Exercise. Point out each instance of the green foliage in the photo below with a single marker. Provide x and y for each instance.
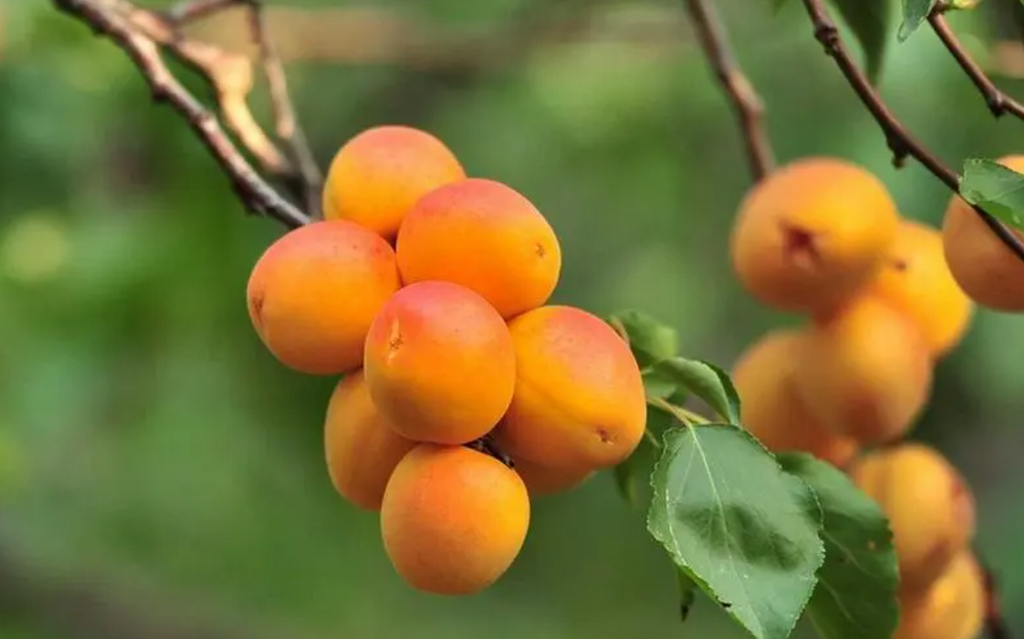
(649, 340)
(767, 539)
(914, 13)
(871, 23)
(706, 381)
(856, 593)
(999, 191)
(741, 527)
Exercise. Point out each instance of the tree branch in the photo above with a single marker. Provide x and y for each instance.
(900, 141)
(998, 102)
(138, 32)
(746, 103)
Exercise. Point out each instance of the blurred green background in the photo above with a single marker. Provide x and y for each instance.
(159, 471)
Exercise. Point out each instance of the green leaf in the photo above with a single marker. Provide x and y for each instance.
(650, 340)
(705, 380)
(999, 191)
(914, 13)
(871, 23)
(633, 475)
(743, 529)
(857, 584)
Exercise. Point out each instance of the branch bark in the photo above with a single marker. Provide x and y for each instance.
(745, 101)
(900, 141)
(998, 102)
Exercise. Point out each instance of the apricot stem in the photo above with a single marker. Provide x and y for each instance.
(686, 416)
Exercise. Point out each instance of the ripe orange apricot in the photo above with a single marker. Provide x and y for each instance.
(440, 363)
(314, 291)
(772, 410)
(547, 480)
(453, 519)
(984, 267)
(866, 372)
(486, 236)
(362, 450)
(916, 281)
(930, 508)
(579, 399)
(811, 233)
(377, 176)
(953, 608)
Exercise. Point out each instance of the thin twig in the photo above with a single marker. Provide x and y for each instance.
(230, 75)
(286, 124)
(746, 103)
(104, 17)
(900, 141)
(998, 102)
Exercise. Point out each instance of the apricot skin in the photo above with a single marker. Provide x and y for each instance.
(544, 480)
(984, 267)
(866, 372)
(440, 363)
(930, 508)
(772, 411)
(314, 292)
(486, 236)
(916, 281)
(377, 176)
(812, 233)
(579, 399)
(362, 450)
(453, 519)
(953, 608)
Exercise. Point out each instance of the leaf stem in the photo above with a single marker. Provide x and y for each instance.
(686, 416)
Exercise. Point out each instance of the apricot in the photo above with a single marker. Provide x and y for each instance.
(440, 363)
(362, 450)
(916, 281)
(579, 400)
(930, 508)
(983, 266)
(453, 519)
(486, 236)
(811, 233)
(377, 176)
(866, 372)
(314, 292)
(953, 608)
(772, 410)
(549, 480)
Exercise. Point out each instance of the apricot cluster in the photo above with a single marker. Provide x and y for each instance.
(823, 238)
(464, 392)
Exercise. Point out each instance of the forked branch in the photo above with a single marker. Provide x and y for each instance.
(998, 102)
(746, 103)
(900, 141)
(143, 34)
